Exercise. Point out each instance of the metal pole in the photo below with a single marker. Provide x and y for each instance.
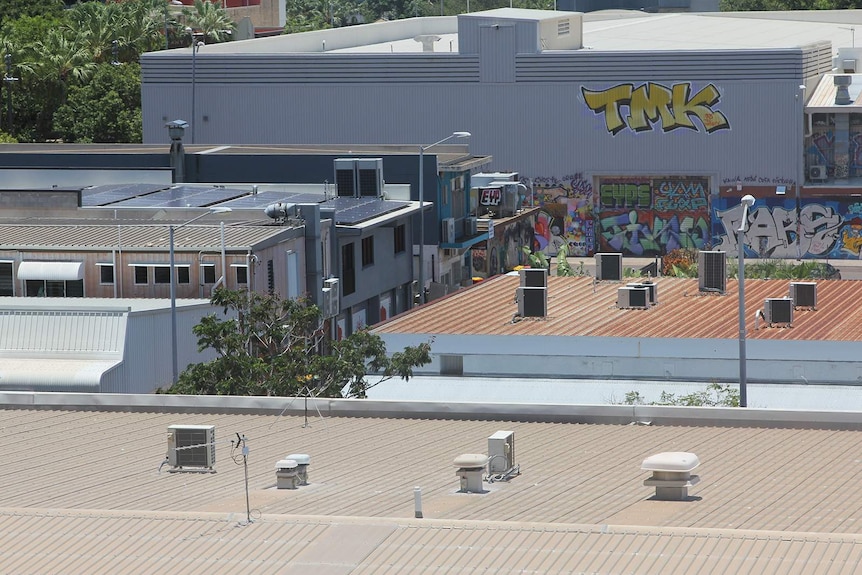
(421, 225)
(743, 394)
(175, 372)
(167, 38)
(223, 265)
(194, 73)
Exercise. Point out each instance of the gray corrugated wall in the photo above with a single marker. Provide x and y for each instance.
(538, 125)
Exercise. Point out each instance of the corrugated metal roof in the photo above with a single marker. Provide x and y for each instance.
(578, 307)
(823, 98)
(83, 494)
(86, 237)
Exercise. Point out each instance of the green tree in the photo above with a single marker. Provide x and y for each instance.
(270, 346)
(210, 20)
(106, 109)
(14, 9)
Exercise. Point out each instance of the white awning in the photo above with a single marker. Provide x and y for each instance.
(52, 271)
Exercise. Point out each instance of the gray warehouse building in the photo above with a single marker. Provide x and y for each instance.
(637, 132)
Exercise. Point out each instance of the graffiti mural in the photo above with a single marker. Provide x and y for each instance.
(651, 103)
(505, 250)
(566, 215)
(643, 216)
(782, 229)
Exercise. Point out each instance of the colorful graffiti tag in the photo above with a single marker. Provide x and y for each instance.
(781, 230)
(566, 215)
(650, 103)
(652, 216)
(505, 250)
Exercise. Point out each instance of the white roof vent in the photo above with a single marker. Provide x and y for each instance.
(470, 467)
(286, 475)
(671, 474)
(302, 462)
(427, 41)
(848, 66)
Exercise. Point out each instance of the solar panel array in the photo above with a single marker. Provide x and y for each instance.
(263, 199)
(110, 194)
(182, 197)
(352, 211)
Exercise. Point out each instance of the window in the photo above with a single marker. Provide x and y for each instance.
(142, 275)
(162, 274)
(54, 288)
(6, 283)
(400, 238)
(368, 251)
(208, 273)
(182, 274)
(241, 274)
(106, 274)
(348, 272)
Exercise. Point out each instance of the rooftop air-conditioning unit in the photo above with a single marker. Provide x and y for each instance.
(817, 173)
(804, 294)
(778, 310)
(534, 277)
(470, 226)
(501, 452)
(357, 177)
(633, 297)
(191, 446)
(331, 301)
(448, 231)
(651, 290)
(532, 301)
(712, 271)
(609, 267)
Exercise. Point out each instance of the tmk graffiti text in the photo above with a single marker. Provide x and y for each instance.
(651, 102)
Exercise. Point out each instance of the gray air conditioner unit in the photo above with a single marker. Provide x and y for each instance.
(331, 304)
(633, 298)
(778, 310)
(191, 446)
(651, 290)
(470, 226)
(532, 301)
(501, 452)
(804, 294)
(817, 173)
(609, 267)
(358, 177)
(534, 277)
(448, 231)
(712, 271)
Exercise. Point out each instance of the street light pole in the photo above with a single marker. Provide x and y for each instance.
(8, 79)
(195, 47)
(422, 207)
(747, 202)
(173, 279)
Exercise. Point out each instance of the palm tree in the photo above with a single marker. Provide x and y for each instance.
(210, 20)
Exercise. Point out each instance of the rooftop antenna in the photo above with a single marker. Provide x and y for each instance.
(852, 34)
(241, 442)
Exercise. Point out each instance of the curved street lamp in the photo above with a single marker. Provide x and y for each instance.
(173, 278)
(747, 201)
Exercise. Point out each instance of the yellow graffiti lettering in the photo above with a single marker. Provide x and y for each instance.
(650, 103)
(608, 102)
(699, 106)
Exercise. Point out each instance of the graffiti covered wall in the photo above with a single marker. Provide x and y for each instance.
(566, 215)
(782, 228)
(505, 250)
(650, 216)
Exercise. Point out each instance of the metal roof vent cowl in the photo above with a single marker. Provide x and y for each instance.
(303, 460)
(470, 467)
(842, 93)
(671, 474)
(286, 475)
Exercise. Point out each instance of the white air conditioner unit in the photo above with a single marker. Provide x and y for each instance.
(652, 290)
(804, 294)
(817, 173)
(501, 452)
(534, 277)
(778, 310)
(358, 177)
(609, 267)
(712, 271)
(331, 302)
(448, 231)
(633, 298)
(191, 446)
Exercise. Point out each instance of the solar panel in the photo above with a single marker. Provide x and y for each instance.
(182, 196)
(263, 199)
(364, 211)
(111, 193)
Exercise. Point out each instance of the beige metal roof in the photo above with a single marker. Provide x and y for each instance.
(823, 98)
(82, 493)
(577, 307)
